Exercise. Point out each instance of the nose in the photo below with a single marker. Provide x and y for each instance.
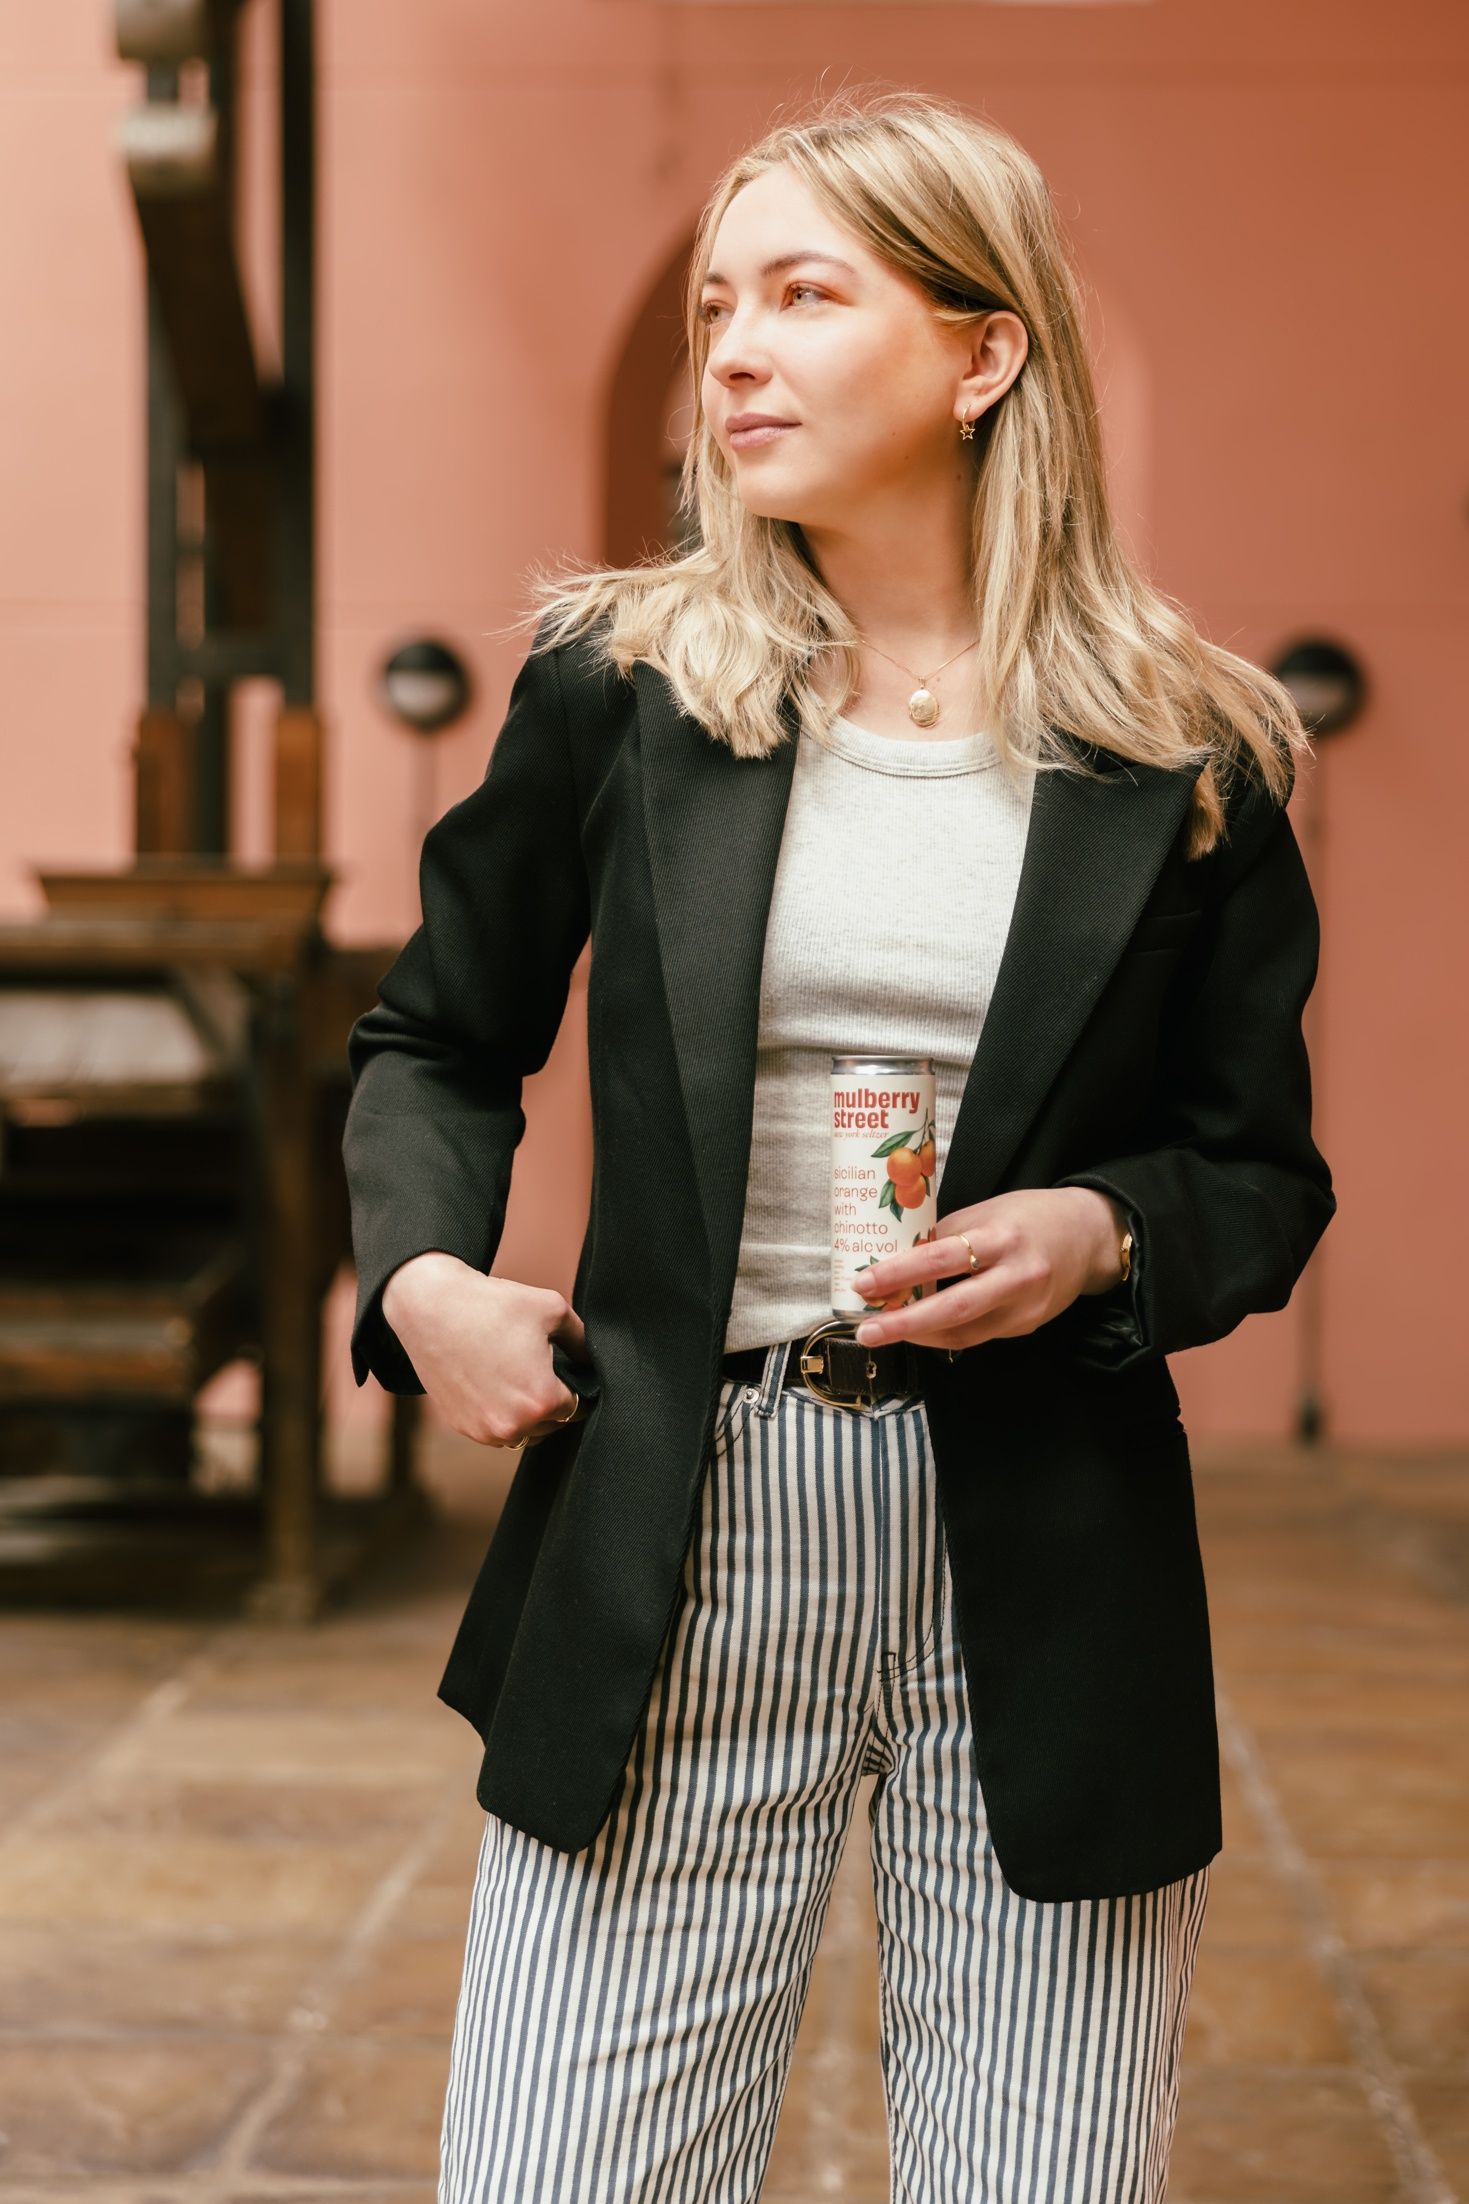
(735, 358)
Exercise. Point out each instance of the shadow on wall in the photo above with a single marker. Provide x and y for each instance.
(645, 435)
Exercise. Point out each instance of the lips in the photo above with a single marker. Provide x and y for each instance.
(749, 431)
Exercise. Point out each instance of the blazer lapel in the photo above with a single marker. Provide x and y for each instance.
(1095, 847)
(714, 825)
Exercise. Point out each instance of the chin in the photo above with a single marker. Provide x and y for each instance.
(781, 501)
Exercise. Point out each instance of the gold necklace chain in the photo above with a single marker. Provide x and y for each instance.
(923, 705)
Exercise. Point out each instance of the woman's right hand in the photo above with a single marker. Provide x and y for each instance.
(482, 1348)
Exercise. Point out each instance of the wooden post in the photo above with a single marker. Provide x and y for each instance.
(292, 1587)
(163, 763)
(298, 782)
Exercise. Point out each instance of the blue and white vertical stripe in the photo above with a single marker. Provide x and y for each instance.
(628, 2012)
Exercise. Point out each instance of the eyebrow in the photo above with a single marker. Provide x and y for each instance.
(790, 260)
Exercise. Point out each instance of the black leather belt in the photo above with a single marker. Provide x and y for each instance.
(833, 1365)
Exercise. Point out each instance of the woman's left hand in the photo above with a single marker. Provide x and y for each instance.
(1034, 1252)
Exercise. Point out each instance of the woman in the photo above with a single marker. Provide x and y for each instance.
(903, 757)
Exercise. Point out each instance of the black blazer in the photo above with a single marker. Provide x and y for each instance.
(1144, 1038)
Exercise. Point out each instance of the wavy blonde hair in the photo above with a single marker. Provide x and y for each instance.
(1073, 641)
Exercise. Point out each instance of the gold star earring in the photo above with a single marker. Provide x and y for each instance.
(966, 430)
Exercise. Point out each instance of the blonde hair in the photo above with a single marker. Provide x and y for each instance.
(1073, 641)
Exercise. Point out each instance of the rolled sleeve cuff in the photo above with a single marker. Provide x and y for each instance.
(1110, 1330)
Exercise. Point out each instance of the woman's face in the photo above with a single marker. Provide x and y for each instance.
(829, 382)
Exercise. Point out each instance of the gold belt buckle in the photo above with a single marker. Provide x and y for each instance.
(815, 1368)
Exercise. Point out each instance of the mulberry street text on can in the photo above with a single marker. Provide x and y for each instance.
(882, 1166)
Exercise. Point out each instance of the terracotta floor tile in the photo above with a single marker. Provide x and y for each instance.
(408, 1988)
(1422, 2007)
(188, 1884)
(40, 1736)
(1320, 1600)
(205, 1880)
(1413, 1707)
(284, 1747)
(459, 1849)
(1241, 1833)
(1345, 1660)
(114, 1658)
(325, 1687)
(832, 2136)
(368, 2107)
(1252, 2136)
(1387, 1904)
(120, 1979)
(815, 2159)
(23, 1784)
(393, 2189)
(296, 1813)
(436, 1909)
(1261, 2009)
(1248, 1907)
(117, 2107)
(1313, 1581)
(1441, 2103)
(1378, 1792)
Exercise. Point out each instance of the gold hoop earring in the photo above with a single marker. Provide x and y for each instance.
(966, 430)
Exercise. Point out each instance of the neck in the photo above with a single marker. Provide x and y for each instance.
(899, 569)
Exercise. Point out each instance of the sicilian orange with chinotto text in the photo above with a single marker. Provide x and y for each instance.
(882, 1166)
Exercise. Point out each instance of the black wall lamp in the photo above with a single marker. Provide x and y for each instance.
(1326, 683)
(426, 686)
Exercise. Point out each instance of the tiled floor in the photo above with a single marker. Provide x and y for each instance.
(234, 1868)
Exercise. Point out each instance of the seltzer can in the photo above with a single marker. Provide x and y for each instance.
(882, 1167)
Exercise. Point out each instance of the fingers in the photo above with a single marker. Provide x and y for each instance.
(529, 1407)
(958, 1308)
(569, 1333)
(523, 1423)
(939, 1258)
(482, 1347)
(574, 1411)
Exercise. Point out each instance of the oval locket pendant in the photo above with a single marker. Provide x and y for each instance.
(923, 707)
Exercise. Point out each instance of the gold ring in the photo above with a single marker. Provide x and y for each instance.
(571, 1414)
(973, 1260)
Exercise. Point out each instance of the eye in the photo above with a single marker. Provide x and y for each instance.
(710, 310)
(800, 294)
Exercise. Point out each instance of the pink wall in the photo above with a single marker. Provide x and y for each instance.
(1268, 198)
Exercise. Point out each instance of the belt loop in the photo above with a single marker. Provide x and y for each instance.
(773, 1378)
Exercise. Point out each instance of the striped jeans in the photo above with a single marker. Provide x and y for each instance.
(628, 2012)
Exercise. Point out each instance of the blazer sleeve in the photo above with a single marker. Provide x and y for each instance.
(469, 1009)
(1230, 1195)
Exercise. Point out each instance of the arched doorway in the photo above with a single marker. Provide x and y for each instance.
(647, 422)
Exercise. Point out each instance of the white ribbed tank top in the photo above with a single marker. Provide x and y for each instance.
(893, 897)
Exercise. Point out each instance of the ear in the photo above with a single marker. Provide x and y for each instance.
(998, 345)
